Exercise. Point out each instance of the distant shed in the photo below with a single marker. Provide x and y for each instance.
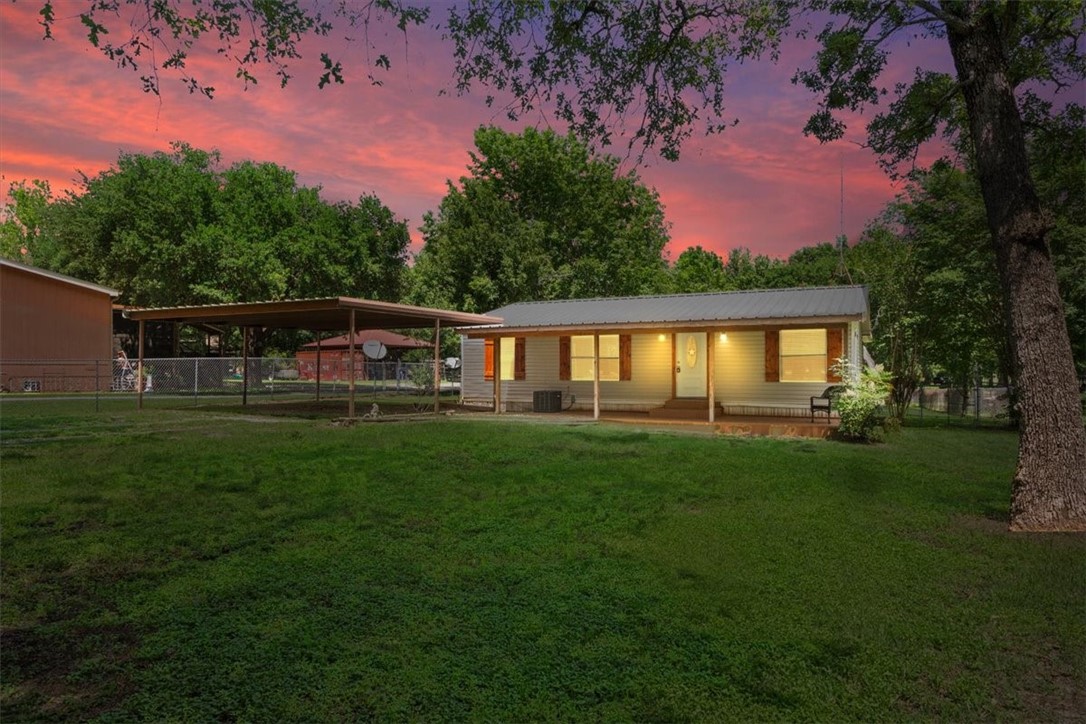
(55, 331)
(335, 355)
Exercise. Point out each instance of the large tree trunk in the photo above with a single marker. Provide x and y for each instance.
(1050, 482)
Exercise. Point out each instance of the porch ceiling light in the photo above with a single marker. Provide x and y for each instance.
(723, 336)
(661, 337)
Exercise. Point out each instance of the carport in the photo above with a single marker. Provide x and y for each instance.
(332, 314)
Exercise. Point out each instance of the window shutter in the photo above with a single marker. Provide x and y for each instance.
(563, 359)
(488, 360)
(520, 366)
(772, 356)
(625, 357)
(835, 349)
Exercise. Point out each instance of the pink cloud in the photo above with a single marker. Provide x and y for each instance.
(761, 184)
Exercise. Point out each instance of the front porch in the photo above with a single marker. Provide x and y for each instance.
(746, 425)
(749, 425)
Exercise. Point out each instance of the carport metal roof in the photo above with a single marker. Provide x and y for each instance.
(321, 315)
(318, 315)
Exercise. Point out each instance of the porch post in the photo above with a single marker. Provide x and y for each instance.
(318, 366)
(350, 368)
(596, 376)
(855, 349)
(497, 375)
(244, 365)
(437, 366)
(139, 370)
(710, 360)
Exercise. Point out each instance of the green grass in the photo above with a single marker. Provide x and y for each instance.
(192, 566)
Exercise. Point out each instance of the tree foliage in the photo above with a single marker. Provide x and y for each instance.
(540, 217)
(21, 220)
(152, 38)
(936, 304)
(173, 228)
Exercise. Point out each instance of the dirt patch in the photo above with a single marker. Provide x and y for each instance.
(38, 664)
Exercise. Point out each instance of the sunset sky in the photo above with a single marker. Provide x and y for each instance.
(64, 108)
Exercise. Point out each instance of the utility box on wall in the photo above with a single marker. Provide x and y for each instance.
(547, 401)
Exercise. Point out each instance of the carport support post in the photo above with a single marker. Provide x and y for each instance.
(139, 370)
(350, 368)
(596, 377)
(437, 366)
(710, 360)
(318, 366)
(244, 365)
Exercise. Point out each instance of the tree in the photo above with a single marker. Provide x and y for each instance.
(21, 220)
(1057, 147)
(885, 261)
(934, 291)
(173, 228)
(959, 299)
(664, 63)
(540, 217)
(699, 270)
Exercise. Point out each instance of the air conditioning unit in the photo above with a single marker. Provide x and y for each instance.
(547, 401)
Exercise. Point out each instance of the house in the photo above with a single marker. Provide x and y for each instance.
(55, 331)
(762, 352)
(335, 353)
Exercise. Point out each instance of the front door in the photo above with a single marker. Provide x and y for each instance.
(691, 372)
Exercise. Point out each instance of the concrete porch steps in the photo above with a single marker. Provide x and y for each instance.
(686, 408)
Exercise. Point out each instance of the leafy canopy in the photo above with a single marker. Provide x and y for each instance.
(173, 228)
(540, 217)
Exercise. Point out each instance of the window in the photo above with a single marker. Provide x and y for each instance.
(575, 356)
(582, 355)
(513, 361)
(508, 357)
(803, 355)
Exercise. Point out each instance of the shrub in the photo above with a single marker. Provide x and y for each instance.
(862, 404)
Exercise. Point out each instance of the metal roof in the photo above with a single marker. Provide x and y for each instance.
(56, 276)
(329, 314)
(763, 306)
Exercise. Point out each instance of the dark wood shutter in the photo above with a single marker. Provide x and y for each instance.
(488, 360)
(772, 356)
(625, 357)
(835, 349)
(520, 364)
(564, 363)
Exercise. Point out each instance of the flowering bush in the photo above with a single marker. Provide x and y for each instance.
(865, 393)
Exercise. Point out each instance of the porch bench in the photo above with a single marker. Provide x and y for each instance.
(824, 403)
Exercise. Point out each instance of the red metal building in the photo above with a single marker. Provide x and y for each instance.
(335, 353)
(55, 331)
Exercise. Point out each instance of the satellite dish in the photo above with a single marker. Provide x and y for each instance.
(453, 363)
(373, 349)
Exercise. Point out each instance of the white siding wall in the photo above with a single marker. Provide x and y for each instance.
(649, 387)
(740, 380)
(739, 373)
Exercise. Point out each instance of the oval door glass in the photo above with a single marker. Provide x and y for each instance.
(691, 375)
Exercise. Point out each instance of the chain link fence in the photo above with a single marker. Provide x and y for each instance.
(205, 378)
(989, 406)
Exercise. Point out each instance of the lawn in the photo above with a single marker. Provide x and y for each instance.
(186, 565)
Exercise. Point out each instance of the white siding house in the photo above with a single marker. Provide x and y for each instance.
(743, 353)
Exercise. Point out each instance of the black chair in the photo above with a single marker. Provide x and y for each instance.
(824, 403)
